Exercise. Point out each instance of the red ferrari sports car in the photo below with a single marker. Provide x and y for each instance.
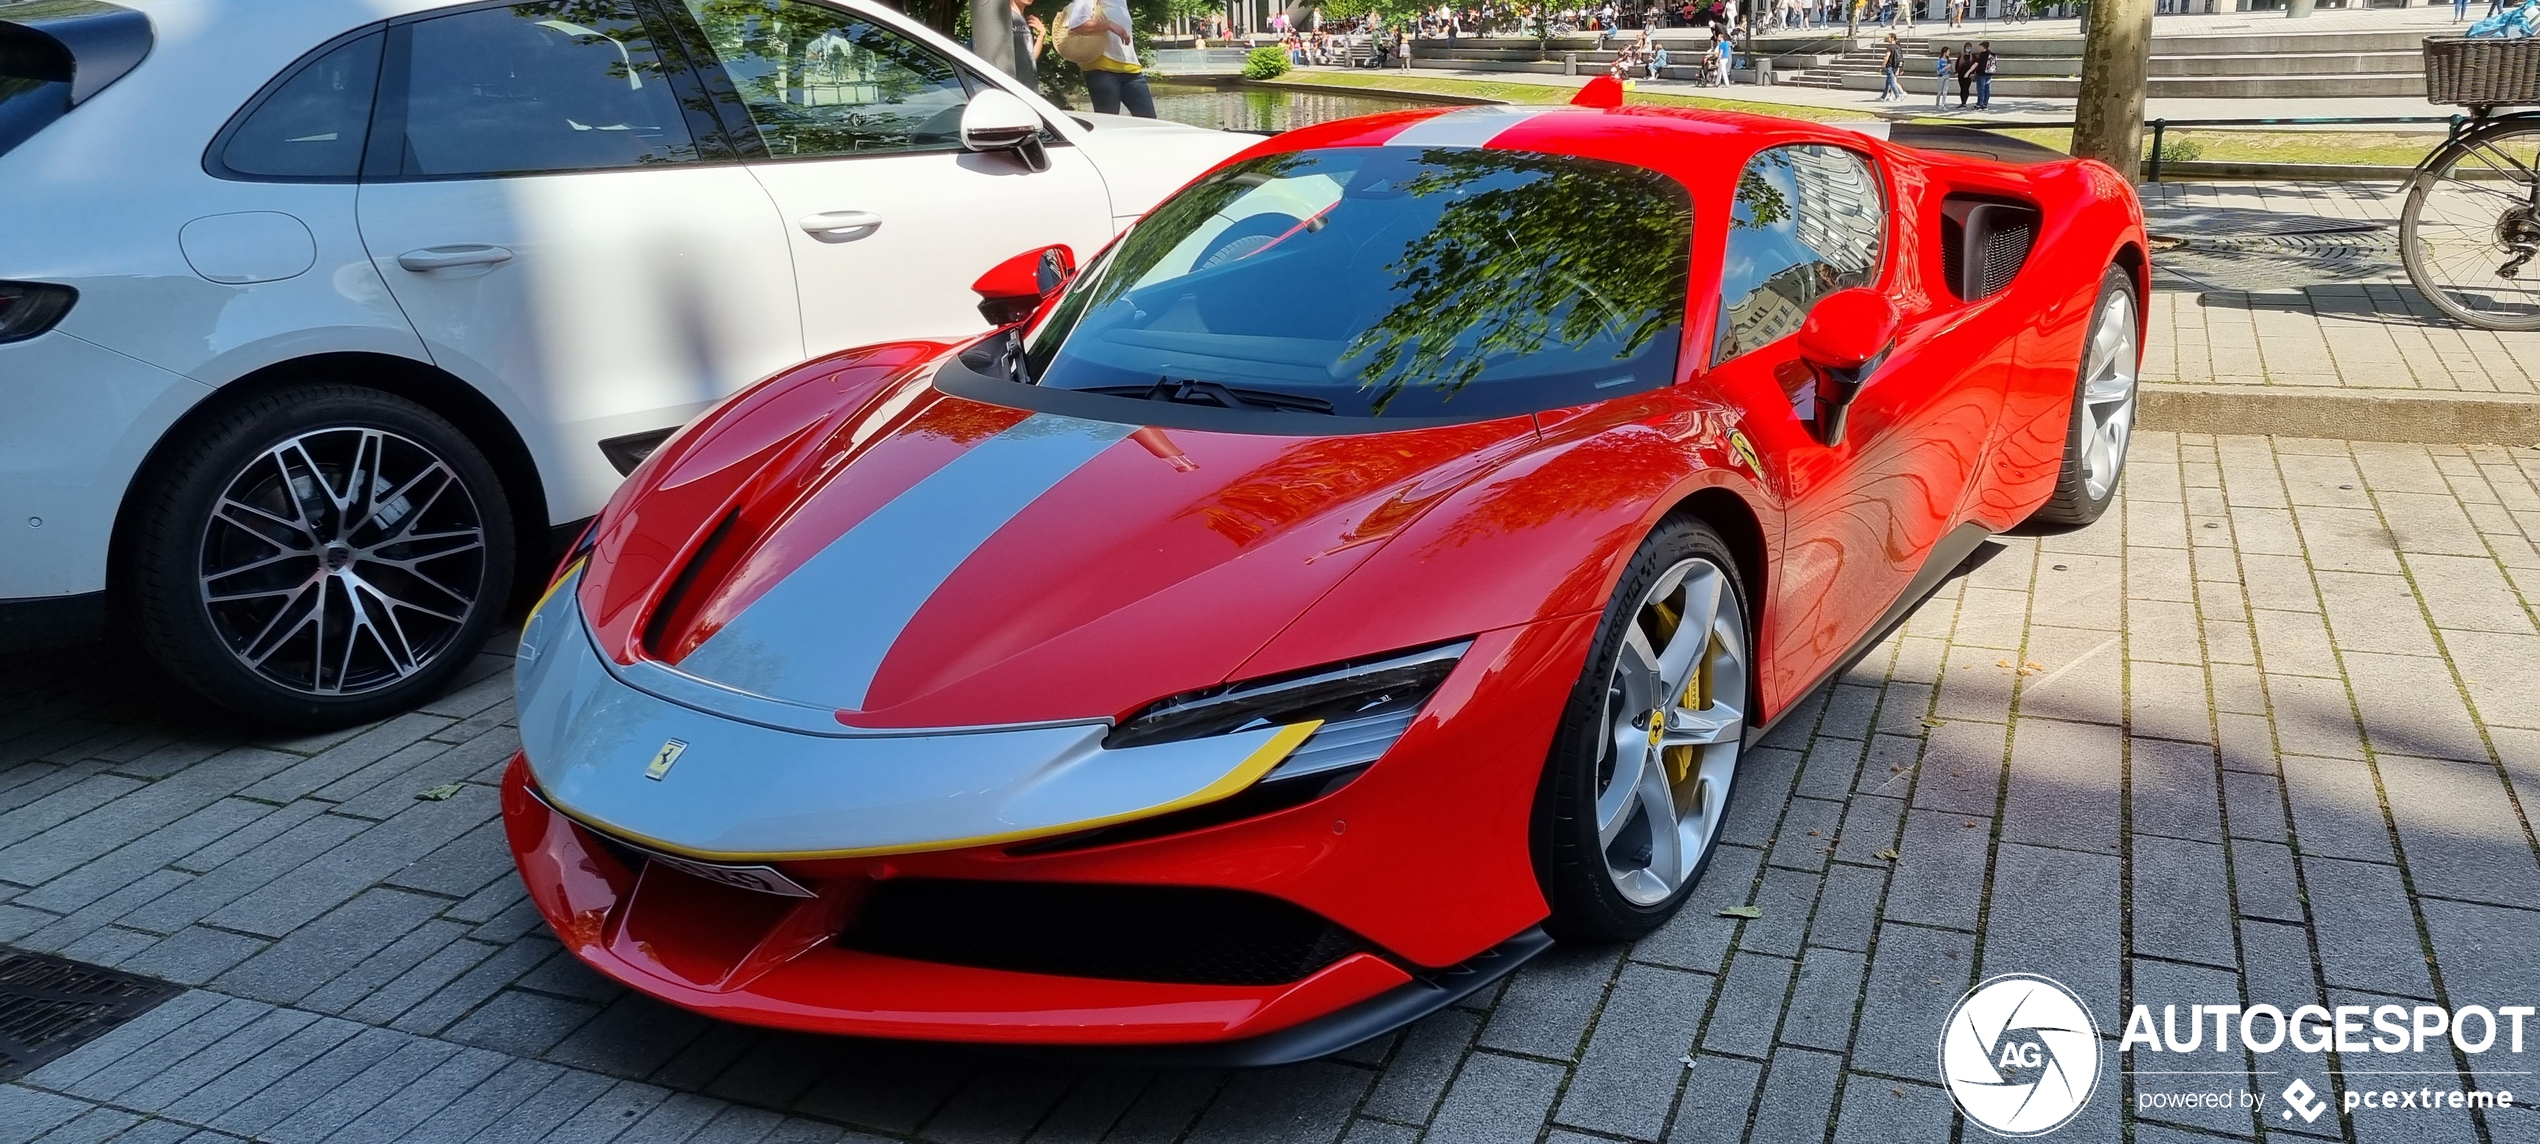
(1368, 568)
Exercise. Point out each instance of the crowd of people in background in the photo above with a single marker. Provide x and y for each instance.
(1970, 65)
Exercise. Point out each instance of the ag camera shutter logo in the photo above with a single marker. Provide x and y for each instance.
(2021, 1055)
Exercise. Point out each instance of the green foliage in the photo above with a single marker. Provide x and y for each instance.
(1397, 13)
(2176, 149)
(1584, 247)
(1266, 63)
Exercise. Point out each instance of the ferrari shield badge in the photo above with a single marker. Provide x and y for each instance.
(664, 759)
(1744, 451)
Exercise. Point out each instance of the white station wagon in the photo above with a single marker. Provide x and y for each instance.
(319, 318)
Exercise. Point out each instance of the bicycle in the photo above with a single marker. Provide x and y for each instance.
(2469, 231)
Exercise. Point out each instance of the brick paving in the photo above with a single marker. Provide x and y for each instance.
(2267, 733)
(2235, 307)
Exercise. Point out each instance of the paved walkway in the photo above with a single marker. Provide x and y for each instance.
(2268, 289)
(2267, 733)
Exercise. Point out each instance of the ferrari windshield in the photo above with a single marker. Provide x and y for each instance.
(1386, 281)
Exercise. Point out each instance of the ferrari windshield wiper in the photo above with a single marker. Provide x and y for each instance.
(1190, 392)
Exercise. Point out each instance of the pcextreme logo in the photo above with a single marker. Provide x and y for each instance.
(2020, 1054)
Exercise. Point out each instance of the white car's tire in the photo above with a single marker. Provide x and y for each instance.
(319, 555)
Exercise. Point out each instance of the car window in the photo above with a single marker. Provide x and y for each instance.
(565, 86)
(819, 81)
(314, 125)
(1388, 282)
(1806, 221)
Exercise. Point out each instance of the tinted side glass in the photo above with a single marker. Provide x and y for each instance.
(576, 86)
(1388, 282)
(315, 124)
(1807, 221)
(818, 81)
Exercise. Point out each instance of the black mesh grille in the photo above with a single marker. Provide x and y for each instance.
(2005, 251)
(49, 1006)
(1177, 934)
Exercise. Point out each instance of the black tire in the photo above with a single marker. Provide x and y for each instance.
(2457, 230)
(421, 554)
(2075, 502)
(1586, 904)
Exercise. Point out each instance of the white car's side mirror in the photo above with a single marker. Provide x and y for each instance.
(997, 121)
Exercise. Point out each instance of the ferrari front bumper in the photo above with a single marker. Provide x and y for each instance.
(764, 959)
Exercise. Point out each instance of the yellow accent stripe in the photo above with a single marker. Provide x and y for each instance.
(561, 577)
(1246, 773)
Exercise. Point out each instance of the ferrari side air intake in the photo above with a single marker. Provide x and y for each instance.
(1983, 243)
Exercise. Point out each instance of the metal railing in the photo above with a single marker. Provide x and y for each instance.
(2160, 127)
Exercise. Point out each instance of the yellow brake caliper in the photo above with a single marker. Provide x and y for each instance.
(1680, 760)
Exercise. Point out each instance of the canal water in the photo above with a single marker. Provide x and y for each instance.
(1267, 109)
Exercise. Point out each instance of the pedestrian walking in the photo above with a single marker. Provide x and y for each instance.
(1029, 34)
(1113, 79)
(1966, 73)
(1957, 12)
(2460, 10)
(1724, 47)
(1891, 61)
(1985, 63)
(1940, 67)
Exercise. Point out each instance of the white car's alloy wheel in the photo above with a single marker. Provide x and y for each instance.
(342, 561)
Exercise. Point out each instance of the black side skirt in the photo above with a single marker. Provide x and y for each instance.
(52, 621)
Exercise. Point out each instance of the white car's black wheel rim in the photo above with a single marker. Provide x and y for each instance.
(1675, 718)
(342, 561)
(2107, 394)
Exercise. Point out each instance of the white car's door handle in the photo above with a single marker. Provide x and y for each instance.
(450, 257)
(840, 226)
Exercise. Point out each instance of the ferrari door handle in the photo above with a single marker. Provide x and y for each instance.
(450, 257)
(840, 226)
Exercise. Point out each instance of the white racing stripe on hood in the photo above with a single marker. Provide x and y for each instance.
(819, 635)
(1468, 127)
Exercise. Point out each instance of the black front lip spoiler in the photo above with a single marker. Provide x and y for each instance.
(1335, 1031)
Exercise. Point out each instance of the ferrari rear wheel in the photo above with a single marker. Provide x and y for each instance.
(1647, 753)
(2104, 398)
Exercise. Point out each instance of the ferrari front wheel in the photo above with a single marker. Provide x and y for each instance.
(2104, 397)
(1647, 753)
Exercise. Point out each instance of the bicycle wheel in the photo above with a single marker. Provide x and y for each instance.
(2470, 231)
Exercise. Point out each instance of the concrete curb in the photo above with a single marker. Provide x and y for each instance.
(2343, 414)
(2208, 170)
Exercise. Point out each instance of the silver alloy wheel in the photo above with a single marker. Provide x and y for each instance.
(1675, 718)
(2107, 394)
(342, 561)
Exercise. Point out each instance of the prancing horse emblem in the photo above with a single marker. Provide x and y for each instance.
(664, 758)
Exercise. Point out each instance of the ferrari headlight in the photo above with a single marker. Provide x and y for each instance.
(1365, 705)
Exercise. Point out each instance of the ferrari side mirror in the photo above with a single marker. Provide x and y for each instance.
(995, 120)
(1846, 334)
(1011, 290)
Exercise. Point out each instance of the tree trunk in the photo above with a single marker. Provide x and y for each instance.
(992, 33)
(2116, 54)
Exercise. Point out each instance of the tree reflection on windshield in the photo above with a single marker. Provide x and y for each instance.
(1390, 282)
(1581, 254)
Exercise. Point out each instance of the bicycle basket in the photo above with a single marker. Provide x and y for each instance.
(2482, 72)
